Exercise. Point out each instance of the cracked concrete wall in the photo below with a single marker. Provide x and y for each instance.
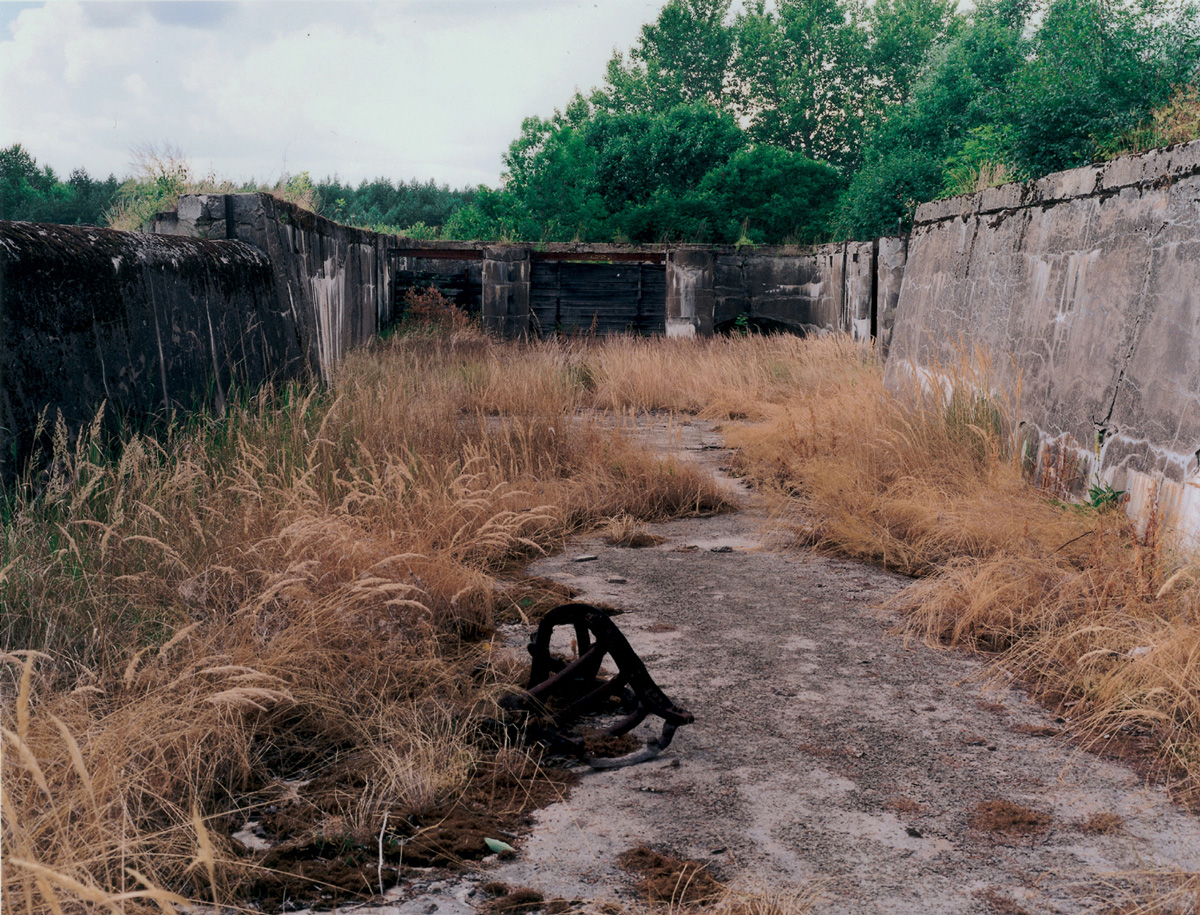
(334, 282)
(1085, 288)
(148, 324)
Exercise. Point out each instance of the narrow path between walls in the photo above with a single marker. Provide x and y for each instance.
(829, 755)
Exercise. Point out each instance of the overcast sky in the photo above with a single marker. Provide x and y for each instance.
(401, 89)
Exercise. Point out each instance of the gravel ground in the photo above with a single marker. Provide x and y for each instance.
(829, 756)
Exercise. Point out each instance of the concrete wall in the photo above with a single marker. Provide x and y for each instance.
(838, 287)
(233, 288)
(146, 323)
(808, 290)
(244, 287)
(335, 281)
(1090, 281)
(891, 256)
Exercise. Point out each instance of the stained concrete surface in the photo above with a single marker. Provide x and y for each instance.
(1084, 287)
(829, 756)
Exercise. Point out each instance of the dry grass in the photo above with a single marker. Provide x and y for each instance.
(163, 174)
(670, 880)
(1102, 824)
(1153, 893)
(305, 586)
(627, 531)
(309, 582)
(668, 883)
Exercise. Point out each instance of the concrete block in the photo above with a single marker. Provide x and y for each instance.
(505, 277)
(690, 298)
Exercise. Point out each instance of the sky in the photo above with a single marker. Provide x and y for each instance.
(400, 89)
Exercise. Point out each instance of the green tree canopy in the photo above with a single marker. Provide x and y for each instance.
(682, 57)
(1097, 68)
(34, 194)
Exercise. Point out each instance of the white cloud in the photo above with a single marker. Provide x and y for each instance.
(399, 89)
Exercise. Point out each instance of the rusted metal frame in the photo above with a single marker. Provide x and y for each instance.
(615, 643)
(596, 637)
(582, 669)
(629, 722)
(591, 700)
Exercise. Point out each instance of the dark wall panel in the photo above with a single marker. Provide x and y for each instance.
(604, 298)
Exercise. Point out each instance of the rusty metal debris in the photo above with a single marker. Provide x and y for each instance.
(561, 692)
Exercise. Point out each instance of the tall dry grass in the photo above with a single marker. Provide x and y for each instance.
(304, 584)
(932, 483)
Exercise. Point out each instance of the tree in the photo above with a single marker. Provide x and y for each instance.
(768, 194)
(903, 32)
(18, 182)
(36, 194)
(550, 181)
(801, 76)
(966, 85)
(638, 155)
(681, 58)
(1098, 68)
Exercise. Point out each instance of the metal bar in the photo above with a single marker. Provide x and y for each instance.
(646, 257)
(435, 254)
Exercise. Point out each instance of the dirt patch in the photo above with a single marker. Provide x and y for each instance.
(999, 815)
(903, 805)
(666, 879)
(318, 863)
(998, 903)
(1036, 730)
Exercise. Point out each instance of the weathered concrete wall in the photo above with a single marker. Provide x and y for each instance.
(690, 298)
(335, 280)
(833, 287)
(891, 256)
(506, 290)
(828, 288)
(146, 323)
(1090, 281)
